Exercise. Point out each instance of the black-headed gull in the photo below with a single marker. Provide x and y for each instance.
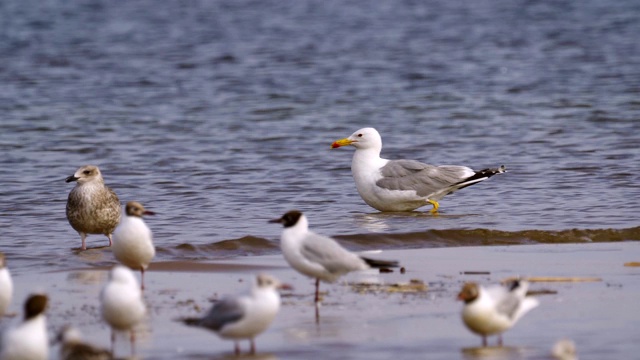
(121, 304)
(28, 340)
(132, 243)
(92, 207)
(6, 286)
(493, 310)
(73, 348)
(319, 257)
(246, 316)
(403, 185)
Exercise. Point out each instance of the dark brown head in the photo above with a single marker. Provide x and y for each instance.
(469, 292)
(289, 219)
(134, 208)
(35, 305)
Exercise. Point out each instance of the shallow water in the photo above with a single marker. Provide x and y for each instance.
(219, 115)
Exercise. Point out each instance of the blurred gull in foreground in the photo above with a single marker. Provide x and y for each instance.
(28, 340)
(6, 286)
(132, 243)
(92, 207)
(72, 347)
(493, 310)
(403, 185)
(564, 349)
(121, 304)
(245, 316)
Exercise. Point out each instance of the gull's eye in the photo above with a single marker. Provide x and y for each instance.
(87, 172)
(359, 135)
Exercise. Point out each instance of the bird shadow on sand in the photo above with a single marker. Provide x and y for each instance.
(229, 355)
(493, 352)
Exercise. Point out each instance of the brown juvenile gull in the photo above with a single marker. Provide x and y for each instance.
(73, 348)
(92, 207)
(404, 185)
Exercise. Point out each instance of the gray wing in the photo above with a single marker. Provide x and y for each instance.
(424, 179)
(225, 311)
(326, 252)
(508, 305)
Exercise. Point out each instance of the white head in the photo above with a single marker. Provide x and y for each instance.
(69, 334)
(365, 138)
(86, 174)
(122, 275)
(268, 282)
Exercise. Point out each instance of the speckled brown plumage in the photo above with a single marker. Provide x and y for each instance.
(72, 347)
(92, 207)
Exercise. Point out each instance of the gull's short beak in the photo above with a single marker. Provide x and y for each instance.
(341, 142)
(147, 212)
(277, 221)
(71, 178)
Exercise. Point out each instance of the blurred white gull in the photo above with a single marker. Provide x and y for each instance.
(28, 340)
(121, 304)
(6, 286)
(244, 316)
(132, 240)
(493, 310)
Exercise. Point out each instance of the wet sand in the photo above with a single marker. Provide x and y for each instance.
(372, 322)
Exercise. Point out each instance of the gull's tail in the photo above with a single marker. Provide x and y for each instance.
(480, 176)
(374, 263)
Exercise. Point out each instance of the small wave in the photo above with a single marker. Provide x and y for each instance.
(244, 246)
(251, 245)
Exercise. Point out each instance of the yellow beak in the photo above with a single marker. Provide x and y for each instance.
(341, 142)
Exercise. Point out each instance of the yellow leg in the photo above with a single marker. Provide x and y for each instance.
(435, 206)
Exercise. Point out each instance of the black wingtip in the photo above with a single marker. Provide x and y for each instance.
(378, 264)
(190, 321)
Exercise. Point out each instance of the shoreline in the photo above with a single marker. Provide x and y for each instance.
(370, 324)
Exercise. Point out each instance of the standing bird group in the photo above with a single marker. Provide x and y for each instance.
(386, 185)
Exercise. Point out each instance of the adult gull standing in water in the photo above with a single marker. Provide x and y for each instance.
(404, 185)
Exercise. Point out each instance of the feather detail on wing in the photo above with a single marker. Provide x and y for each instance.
(225, 311)
(330, 254)
(424, 179)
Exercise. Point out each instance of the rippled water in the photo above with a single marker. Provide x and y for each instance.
(219, 115)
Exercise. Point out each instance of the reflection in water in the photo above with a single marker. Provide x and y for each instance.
(376, 223)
